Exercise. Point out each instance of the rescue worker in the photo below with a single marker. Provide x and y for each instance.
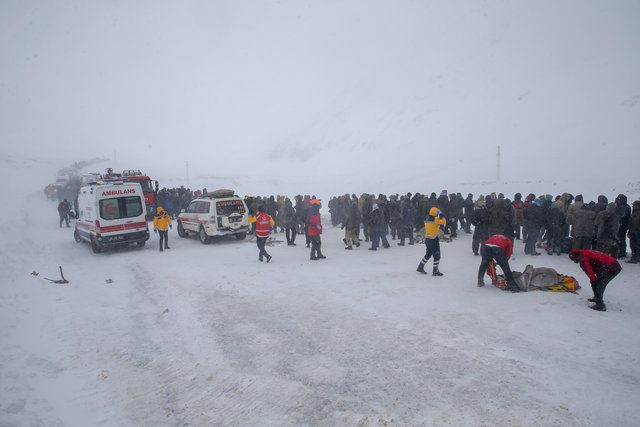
(433, 229)
(264, 224)
(161, 226)
(314, 231)
(601, 269)
(63, 211)
(497, 248)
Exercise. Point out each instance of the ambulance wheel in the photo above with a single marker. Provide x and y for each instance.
(202, 236)
(76, 236)
(95, 247)
(181, 230)
(241, 236)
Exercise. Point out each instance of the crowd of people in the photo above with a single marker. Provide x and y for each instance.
(556, 225)
(594, 234)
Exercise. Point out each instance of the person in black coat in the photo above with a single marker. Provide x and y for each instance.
(624, 216)
(408, 218)
(377, 227)
(290, 222)
(533, 220)
(63, 211)
(480, 219)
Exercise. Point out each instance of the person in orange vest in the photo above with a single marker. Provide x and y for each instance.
(263, 223)
(314, 231)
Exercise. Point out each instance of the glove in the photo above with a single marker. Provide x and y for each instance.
(155, 231)
(170, 226)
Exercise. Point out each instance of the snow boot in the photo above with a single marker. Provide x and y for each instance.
(480, 283)
(373, 249)
(592, 299)
(357, 244)
(345, 241)
(269, 258)
(436, 272)
(349, 248)
(634, 260)
(313, 258)
(387, 246)
(322, 256)
(420, 269)
(400, 244)
(598, 307)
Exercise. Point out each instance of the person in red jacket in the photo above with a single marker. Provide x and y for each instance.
(518, 206)
(498, 248)
(314, 229)
(601, 269)
(264, 224)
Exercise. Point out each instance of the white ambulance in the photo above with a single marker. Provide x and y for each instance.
(111, 214)
(220, 213)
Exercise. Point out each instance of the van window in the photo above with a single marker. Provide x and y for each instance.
(191, 208)
(202, 207)
(120, 207)
(228, 207)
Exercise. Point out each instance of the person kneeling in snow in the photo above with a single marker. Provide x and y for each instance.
(601, 269)
(432, 233)
(499, 249)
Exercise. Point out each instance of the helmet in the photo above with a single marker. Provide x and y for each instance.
(434, 211)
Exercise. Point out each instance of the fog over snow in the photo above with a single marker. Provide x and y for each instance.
(312, 97)
(327, 97)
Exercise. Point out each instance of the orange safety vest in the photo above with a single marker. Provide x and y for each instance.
(263, 225)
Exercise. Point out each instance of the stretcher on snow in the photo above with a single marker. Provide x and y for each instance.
(532, 278)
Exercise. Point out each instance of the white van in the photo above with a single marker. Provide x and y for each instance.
(110, 215)
(220, 213)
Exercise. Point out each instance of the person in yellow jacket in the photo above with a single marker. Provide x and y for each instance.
(433, 229)
(161, 225)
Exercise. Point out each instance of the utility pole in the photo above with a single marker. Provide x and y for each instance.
(498, 166)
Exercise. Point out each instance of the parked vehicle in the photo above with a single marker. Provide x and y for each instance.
(220, 213)
(111, 214)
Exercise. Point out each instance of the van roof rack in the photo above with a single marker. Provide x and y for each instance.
(219, 194)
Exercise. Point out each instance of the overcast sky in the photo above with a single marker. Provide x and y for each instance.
(330, 93)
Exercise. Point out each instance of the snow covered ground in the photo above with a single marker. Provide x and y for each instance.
(204, 335)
